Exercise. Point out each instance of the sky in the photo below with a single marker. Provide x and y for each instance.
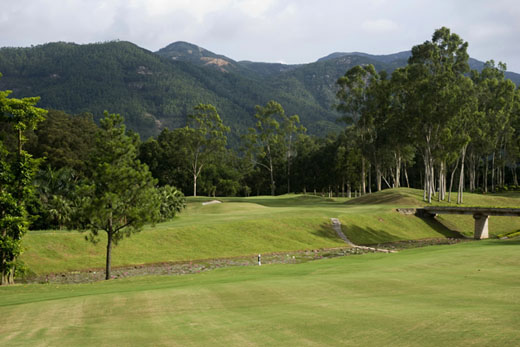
(287, 31)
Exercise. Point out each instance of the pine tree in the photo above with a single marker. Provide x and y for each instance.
(121, 197)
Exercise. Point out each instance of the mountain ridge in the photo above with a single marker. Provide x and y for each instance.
(154, 90)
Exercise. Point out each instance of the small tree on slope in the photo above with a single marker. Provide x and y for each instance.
(121, 197)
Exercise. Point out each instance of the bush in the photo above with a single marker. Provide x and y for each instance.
(172, 202)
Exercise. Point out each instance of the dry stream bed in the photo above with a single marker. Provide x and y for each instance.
(197, 266)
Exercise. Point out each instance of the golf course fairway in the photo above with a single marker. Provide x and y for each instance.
(458, 295)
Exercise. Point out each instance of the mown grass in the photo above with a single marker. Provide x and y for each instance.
(414, 198)
(245, 226)
(234, 228)
(460, 295)
(463, 224)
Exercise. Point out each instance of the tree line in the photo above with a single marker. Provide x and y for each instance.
(432, 124)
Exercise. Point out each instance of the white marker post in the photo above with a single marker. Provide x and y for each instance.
(259, 260)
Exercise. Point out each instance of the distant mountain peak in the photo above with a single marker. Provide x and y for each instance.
(383, 58)
(185, 51)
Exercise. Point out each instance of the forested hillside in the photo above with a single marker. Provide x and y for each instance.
(151, 91)
(148, 90)
(158, 90)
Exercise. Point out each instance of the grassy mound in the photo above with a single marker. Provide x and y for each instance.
(465, 294)
(390, 226)
(236, 227)
(368, 230)
(395, 197)
(414, 198)
(245, 226)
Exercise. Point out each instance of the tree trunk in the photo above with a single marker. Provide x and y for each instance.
(444, 181)
(470, 172)
(392, 176)
(273, 188)
(288, 174)
(388, 184)
(428, 179)
(378, 178)
(195, 185)
(425, 181)
(109, 255)
(460, 199)
(370, 179)
(451, 179)
(432, 178)
(440, 181)
(485, 181)
(7, 277)
(406, 177)
(397, 181)
(493, 173)
(363, 176)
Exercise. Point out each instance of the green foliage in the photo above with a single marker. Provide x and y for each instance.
(204, 137)
(269, 145)
(121, 196)
(64, 141)
(172, 202)
(153, 91)
(166, 157)
(57, 194)
(16, 174)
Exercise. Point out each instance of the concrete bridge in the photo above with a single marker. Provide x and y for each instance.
(480, 214)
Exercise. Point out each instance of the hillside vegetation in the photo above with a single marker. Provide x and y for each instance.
(157, 90)
(151, 91)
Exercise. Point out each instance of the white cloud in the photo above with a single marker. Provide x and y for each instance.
(379, 26)
(295, 31)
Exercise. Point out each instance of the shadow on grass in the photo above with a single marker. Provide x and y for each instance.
(327, 232)
(441, 228)
(371, 236)
(388, 197)
(368, 236)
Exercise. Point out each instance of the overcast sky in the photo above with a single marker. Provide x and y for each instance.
(289, 31)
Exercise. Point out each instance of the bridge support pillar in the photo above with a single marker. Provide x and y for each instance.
(481, 226)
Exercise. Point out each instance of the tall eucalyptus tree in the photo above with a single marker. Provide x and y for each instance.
(434, 97)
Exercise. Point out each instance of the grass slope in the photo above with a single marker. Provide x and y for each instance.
(212, 231)
(245, 226)
(465, 294)
(406, 197)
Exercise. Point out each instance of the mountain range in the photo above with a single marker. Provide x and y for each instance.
(154, 90)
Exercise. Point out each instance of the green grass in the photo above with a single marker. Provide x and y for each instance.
(234, 228)
(390, 226)
(408, 197)
(463, 224)
(245, 226)
(460, 295)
